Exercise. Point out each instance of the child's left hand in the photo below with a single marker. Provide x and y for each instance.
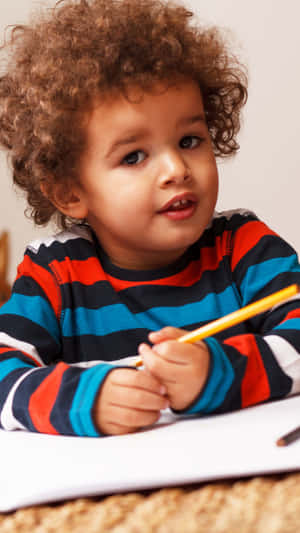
(181, 367)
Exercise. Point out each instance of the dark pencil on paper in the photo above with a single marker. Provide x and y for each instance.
(290, 437)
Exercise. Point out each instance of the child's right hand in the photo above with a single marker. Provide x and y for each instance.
(128, 400)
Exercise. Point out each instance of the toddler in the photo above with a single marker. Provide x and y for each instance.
(113, 113)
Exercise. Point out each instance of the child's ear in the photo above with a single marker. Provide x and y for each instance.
(68, 200)
(71, 203)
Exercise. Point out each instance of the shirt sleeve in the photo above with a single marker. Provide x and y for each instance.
(263, 364)
(36, 392)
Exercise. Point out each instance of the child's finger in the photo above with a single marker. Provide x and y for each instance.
(137, 398)
(157, 366)
(141, 380)
(164, 334)
(174, 352)
(130, 418)
(117, 429)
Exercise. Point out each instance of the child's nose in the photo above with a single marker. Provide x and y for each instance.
(173, 168)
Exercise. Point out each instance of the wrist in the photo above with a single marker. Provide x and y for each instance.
(218, 382)
(205, 376)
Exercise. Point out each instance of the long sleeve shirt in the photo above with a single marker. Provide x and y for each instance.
(72, 312)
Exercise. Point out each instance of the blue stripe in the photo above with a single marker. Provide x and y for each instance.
(8, 366)
(219, 382)
(117, 317)
(34, 308)
(292, 323)
(84, 398)
(258, 276)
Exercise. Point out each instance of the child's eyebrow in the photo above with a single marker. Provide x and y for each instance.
(131, 138)
(191, 120)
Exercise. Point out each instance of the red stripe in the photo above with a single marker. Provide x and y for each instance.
(186, 278)
(90, 271)
(292, 314)
(210, 258)
(43, 399)
(86, 272)
(255, 386)
(246, 238)
(44, 279)
(9, 349)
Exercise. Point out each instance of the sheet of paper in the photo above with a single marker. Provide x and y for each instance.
(40, 468)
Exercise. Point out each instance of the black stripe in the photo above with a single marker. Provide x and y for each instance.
(144, 297)
(62, 406)
(8, 382)
(23, 329)
(271, 320)
(113, 346)
(23, 395)
(28, 286)
(74, 249)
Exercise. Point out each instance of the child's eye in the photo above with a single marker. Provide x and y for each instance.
(190, 141)
(134, 158)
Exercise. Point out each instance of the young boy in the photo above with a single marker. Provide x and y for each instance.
(114, 113)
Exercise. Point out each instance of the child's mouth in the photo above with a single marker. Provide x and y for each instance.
(179, 209)
(180, 205)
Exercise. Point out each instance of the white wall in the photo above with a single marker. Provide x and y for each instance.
(264, 175)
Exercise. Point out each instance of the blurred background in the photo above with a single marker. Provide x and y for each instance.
(263, 176)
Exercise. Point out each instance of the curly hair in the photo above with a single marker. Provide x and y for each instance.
(72, 53)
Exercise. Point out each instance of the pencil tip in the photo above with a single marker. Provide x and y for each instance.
(280, 442)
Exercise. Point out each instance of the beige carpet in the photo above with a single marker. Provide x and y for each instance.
(259, 505)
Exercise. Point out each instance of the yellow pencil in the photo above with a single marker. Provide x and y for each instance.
(237, 316)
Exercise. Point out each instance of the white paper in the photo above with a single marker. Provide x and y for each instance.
(36, 468)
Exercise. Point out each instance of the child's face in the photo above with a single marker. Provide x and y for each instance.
(149, 179)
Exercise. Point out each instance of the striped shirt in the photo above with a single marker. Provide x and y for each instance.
(72, 313)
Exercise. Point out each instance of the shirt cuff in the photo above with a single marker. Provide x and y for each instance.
(81, 416)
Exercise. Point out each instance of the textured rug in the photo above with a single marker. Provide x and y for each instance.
(258, 505)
